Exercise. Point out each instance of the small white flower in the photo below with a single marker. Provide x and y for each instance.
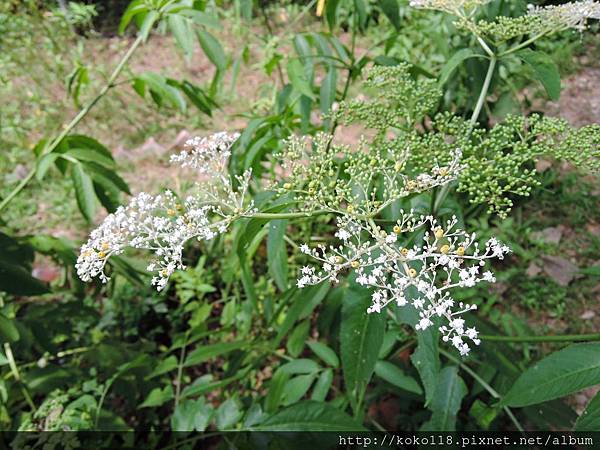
(396, 268)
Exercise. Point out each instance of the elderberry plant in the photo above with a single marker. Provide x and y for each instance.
(418, 259)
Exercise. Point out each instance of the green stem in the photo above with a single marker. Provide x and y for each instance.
(291, 215)
(484, 90)
(180, 371)
(550, 338)
(68, 128)
(17, 376)
(523, 44)
(439, 200)
(484, 384)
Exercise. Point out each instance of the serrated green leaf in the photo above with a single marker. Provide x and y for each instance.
(297, 387)
(135, 7)
(561, 373)
(84, 192)
(396, 376)
(158, 396)
(44, 164)
(303, 302)
(392, 11)
(322, 386)
(324, 352)
(361, 336)
(276, 390)
(544, 69)
(300, 366)
(106, 176)
(182, 32)
(298, 79)
(166, 365)
(328, 90)
(191, 415)
(446, 401)
(90, 155)
(149, 20)
(297, 338)
(213, 49)
(227, 415)
(331, 7)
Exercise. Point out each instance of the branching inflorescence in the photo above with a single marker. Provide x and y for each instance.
(407, 154)
(539, 20)
(422, 275)
(164, 223)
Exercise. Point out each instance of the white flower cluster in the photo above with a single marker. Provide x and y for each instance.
(207, 154)
(451, 6)
(422, 275)
(164, 223)
(568, 15)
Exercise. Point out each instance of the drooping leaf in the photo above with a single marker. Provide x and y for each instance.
(561, 373)
(392, 11)
(182, 32)
(303, 303)
(90, 155)
(453, 63)
(213, 49)
(135, 7)
(106, 176)
(84, 192)
(163, 367)
(544, 69)
(148, 22)
(331, 7)
(276, 390)
(17, 280)
(43, 164)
